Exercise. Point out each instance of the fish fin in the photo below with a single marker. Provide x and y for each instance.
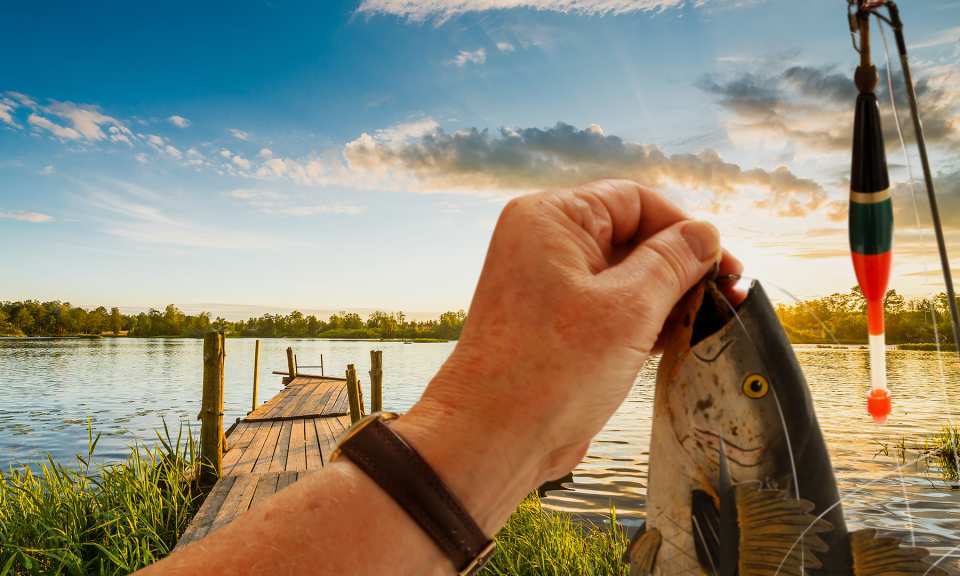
(642, 551)
(778, 533)
(874, 555)
(706, 531)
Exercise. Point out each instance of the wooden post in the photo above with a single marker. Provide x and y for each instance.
(353, 393)
(211, 411)
(376, 380)
(321, 364)
(291, 364)
(256, 374)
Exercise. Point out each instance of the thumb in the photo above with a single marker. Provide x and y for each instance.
(664, 266)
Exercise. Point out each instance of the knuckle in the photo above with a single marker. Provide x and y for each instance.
(669, 264)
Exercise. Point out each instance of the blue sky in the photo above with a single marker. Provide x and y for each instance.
(355, 154)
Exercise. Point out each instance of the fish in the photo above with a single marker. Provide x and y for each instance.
(740, 480)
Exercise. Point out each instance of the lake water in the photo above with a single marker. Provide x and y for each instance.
(126, 387)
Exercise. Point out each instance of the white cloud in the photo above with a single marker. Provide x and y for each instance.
(226, 153)
(87, 120)
(61, 132)
(178, 121)
(140, 157)
(6, 112)
(265, 153)
(505, 47)
(195, 157)
(442, 10)
(163, 146)
(464, 57)
(240, 161)
(47, 170)
(944, 38)
(23, 216)
(239, 134)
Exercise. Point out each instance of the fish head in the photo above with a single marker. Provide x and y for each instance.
(720, 394)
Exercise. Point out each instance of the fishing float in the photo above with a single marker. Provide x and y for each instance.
(871, 205)
(871, 217)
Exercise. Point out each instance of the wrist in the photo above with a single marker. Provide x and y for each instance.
(489, 469)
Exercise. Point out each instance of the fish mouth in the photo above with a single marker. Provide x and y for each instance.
(739, 455)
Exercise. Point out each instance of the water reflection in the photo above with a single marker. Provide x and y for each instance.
(127, 387)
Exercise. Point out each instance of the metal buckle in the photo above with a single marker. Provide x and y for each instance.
(482, 558)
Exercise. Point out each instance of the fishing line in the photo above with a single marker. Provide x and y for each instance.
(916, 216)
(838, 502)
(783, 425)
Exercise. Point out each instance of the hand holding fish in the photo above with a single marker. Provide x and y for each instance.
(574, 293)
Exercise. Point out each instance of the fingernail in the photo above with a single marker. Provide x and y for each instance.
(703, 239)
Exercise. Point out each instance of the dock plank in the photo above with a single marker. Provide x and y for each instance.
(297, 455)
(287, 438)
(279, 462)
(200, 525)
(269, 447)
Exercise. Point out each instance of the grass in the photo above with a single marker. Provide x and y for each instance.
(544, 543)
(97, 520)
(116, 519)
(944, 449)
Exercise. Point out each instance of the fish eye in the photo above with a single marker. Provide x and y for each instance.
(755, 386)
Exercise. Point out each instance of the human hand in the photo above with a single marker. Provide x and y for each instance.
(573, 295)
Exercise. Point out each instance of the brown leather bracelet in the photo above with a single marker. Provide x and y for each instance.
(404, 475)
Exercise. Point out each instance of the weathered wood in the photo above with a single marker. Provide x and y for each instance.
(353, 393)
(291, 363)
(279, 462)
(296, 439)
(204, 518)
(256, 374)
(269, 447)
(376, 380)
(211, 411)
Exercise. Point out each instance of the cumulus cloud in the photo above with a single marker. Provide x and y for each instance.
(265, 153)
(812, 108)
(514, 160)
(464, 57)
(505, 47)
(24, 216)
(442, 10)
(178, 121)
(239, 134)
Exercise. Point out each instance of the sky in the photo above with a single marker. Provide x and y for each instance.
(355, 154)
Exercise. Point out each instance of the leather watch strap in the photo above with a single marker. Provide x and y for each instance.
(403, 474)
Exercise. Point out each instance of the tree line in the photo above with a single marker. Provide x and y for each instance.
(843, 317)
(34, 318)
(837, 317)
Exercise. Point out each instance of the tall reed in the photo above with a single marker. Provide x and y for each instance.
(543, 543)
(944, 449)
(90, 519)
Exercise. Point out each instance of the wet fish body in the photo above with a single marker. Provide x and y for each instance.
(740, 480)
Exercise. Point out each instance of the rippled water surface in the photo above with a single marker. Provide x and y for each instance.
(127, 387)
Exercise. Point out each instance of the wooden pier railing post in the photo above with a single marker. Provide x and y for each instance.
(256, 374)
(321, 364)
(376, 380)
(211, 411)
(353, 393)
(291, 364)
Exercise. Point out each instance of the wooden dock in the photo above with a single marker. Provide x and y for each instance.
(277, 444)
